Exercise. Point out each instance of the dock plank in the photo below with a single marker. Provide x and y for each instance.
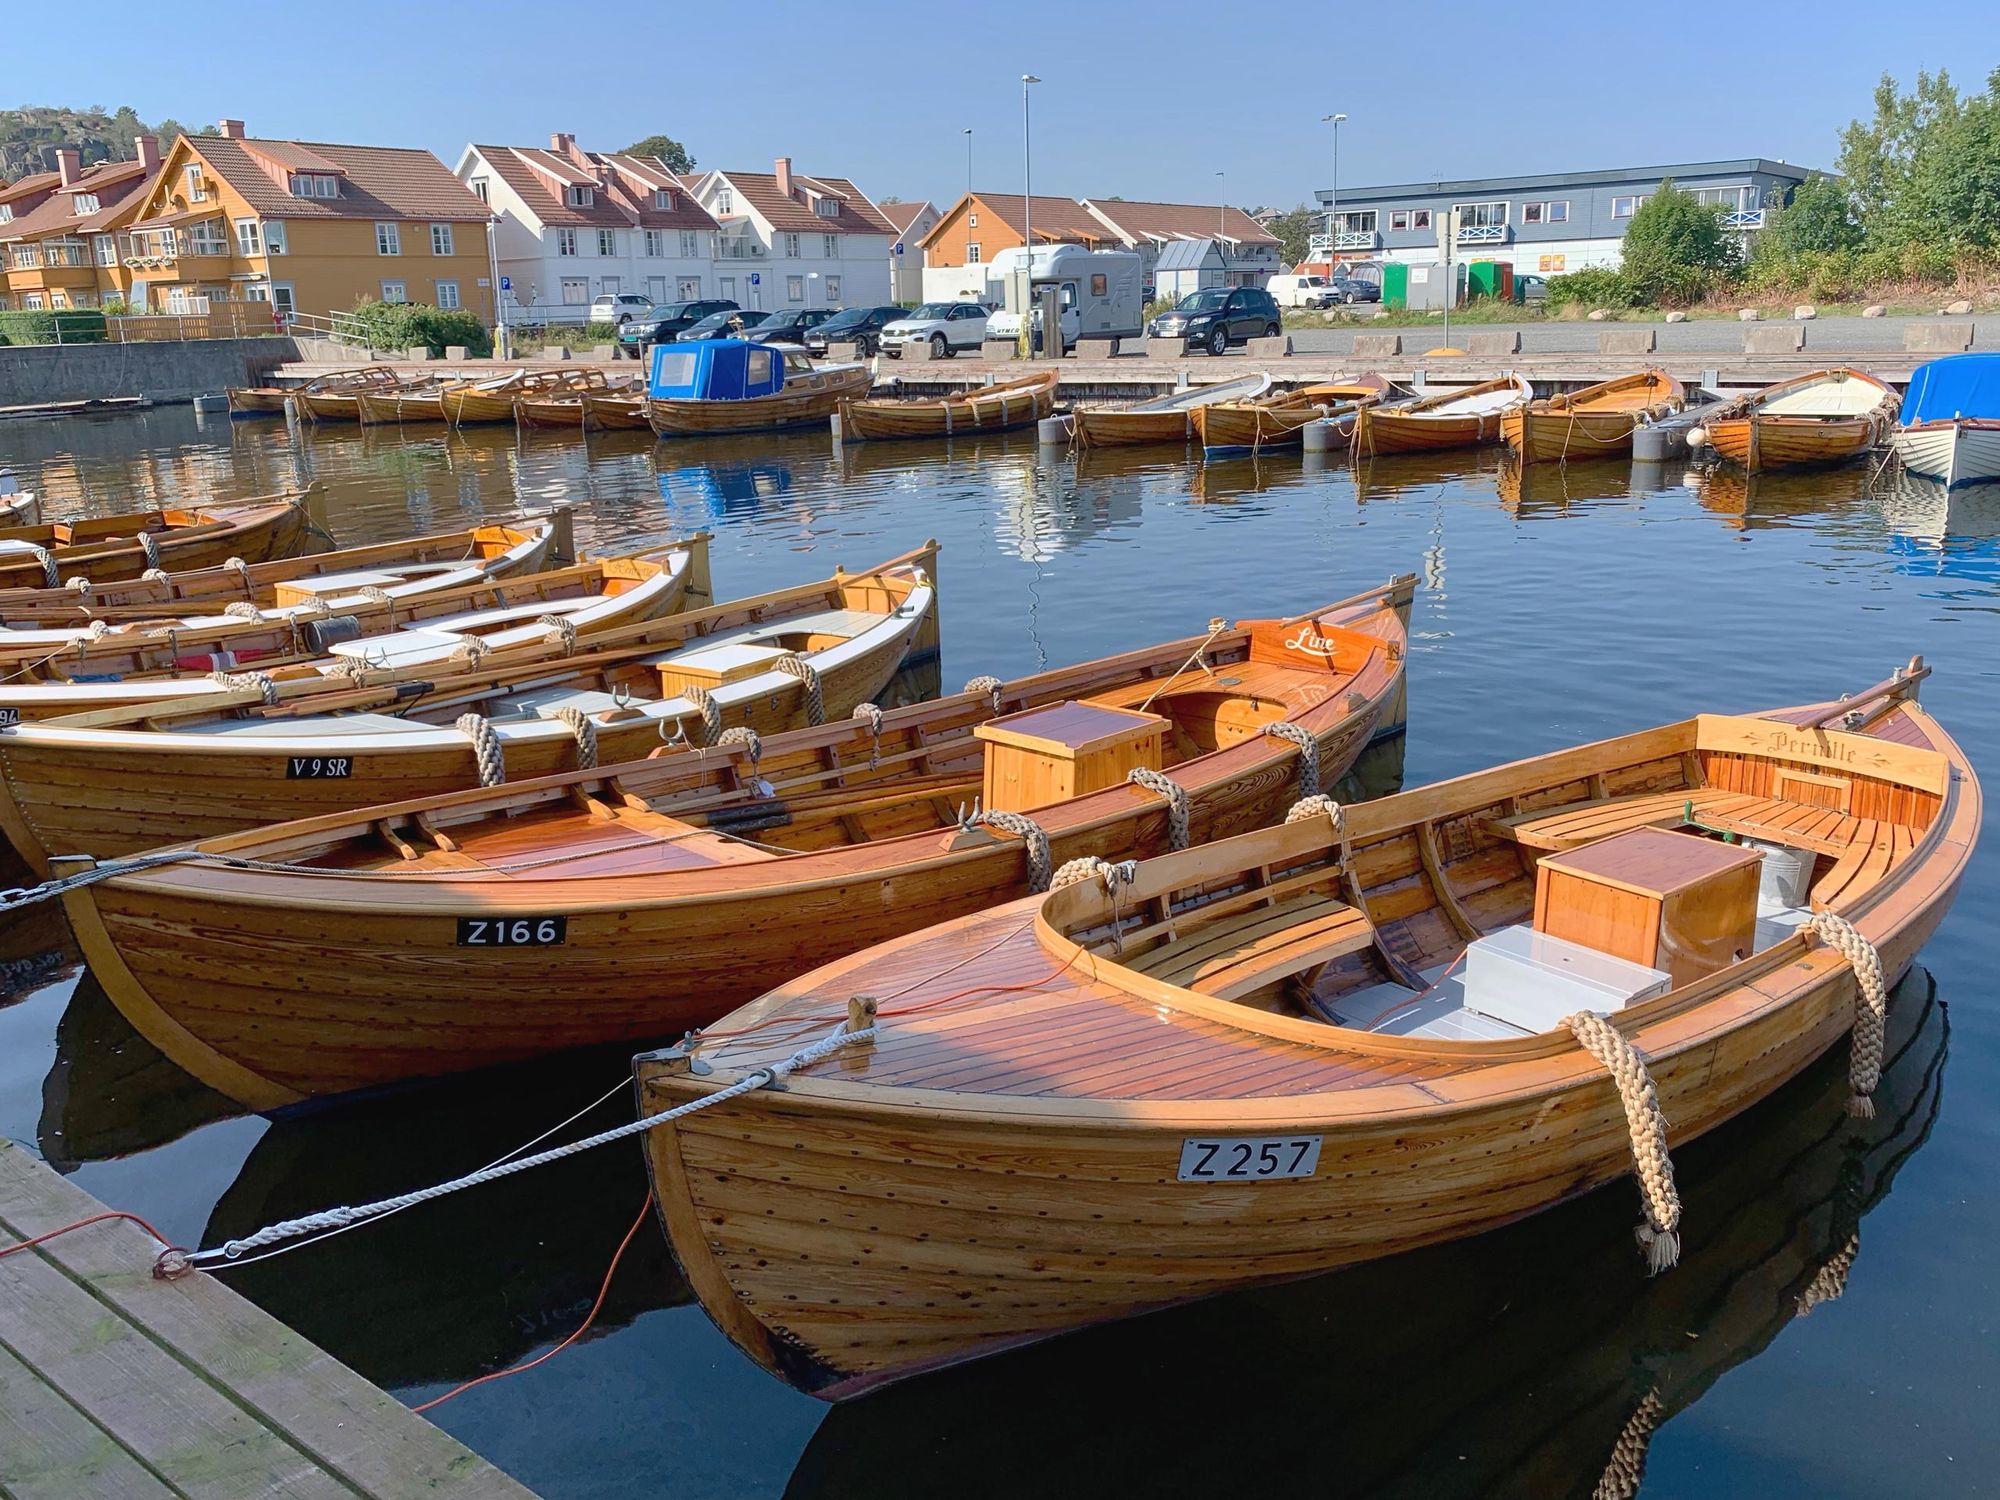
(350, 1438)
(49, 1450)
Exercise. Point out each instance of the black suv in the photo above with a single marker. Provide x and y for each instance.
(665, 323)
(790, 326)
(861, 326)
(1217, 317)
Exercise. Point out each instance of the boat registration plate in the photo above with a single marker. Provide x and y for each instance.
(512, 932)
(1248, 1158)
(9, 718)
(318, 767)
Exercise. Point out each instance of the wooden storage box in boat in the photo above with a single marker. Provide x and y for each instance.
(1065, 750)
(1671, 901)
(710, 668)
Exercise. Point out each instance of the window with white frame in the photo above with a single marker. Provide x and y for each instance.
(689, 287)
(725, 201)
(315, 185)
(1356, 221)
(1624, 205)
(479, 189)
(388, 240)
(274, 236)
(565, 242)
(607, 242)
(82, 299)
(197, 192)
(690, 243)
(580, 195)
(663, 198)
(207, 238)
(971, 220)
(395, 291)
(6, 212)
(972, 254)
(447, 295)
(32, 301)
(248, 241)
(1733, 200)
(1481, 215)
(441, 240)
(575, 291)
(84, 203)
(832, 291)
(792, 246)
(1554, 211)
(656, 244)
(795, 289)
(1407, 219)
(830, 246)
(827, 208)
(106, 246)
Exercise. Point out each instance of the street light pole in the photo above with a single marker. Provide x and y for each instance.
(968, 161)
(1221, 246)
(1333, 199)
(1027, 217)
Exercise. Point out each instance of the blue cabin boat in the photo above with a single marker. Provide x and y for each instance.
(710, 386)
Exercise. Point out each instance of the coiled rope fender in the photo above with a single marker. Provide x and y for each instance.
(747, 737)
(48, 562)
(241, 569)
(558, 630)
(1308, 743)
(1034, 836)
(873, 717)
(1871, 1007)
(154, 575)
(1627, 1464)
(77, 584)
(1089, 867)
(242, 609)
(1319, 805)
(989, 685)
(383, 597)
(151, 548)
(1659, 1236)
(586, 735)
(492, 755)
(1830, 1281)
(1177, 802)
(238, 682)
(340, 1218)
(807, 674)
(711, 711)
(471, 651)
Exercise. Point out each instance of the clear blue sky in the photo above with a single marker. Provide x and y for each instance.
(1144, 101)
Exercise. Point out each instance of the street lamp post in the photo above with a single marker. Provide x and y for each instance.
(1221, 223)
(968, 161)
(1027, 216)
(1333, 199)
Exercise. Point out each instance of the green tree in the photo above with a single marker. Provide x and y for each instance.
(669, 150)
(1819, 219)
(1878, 157)
(1951, 199)
(1676, 248)
(1294, 230)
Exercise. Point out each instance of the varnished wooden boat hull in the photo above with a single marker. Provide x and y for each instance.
(1122, 429)
(466, 406)
(614, 413)
(399, 408)
(1387, 431)
(647, 952)
(189, 539)
(564, 412)
(257, 401)
(328, 406)
(1252, 426)
(1761, 442)
(807, 400)
(1001, 408)
(952, 1189)
(1596, 422)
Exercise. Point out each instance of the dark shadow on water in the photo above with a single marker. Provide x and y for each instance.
(1508, 1365)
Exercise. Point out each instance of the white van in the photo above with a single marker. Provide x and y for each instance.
(1100, 290)
(1302, 291)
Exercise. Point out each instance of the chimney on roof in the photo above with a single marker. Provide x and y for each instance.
(232, 130)
(785, 175)
(69, 165)
(560, 142)
(148, 148)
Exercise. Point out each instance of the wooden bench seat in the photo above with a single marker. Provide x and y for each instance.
(1822, 830)
(1241, 953)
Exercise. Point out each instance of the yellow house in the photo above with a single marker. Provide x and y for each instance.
(59, 240)
(311, 228)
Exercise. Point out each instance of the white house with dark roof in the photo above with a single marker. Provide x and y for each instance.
(575, 225)
(791, 240)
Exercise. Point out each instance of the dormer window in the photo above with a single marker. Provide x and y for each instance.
(84, 203)
(315, 185)
(195, 191)
(580, 196)
(827, 208)
(725, 201)
(6, 212)
(662, 198)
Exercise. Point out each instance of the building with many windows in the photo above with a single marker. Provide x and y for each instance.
(309, 227)
(1546, 224)
(575, 225)
(789, 240)
(59, 231)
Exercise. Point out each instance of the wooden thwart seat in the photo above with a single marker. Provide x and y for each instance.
(1823, 830)
(1232, 957)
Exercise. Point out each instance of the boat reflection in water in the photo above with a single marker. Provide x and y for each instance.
(1531, 491)
(1786, 497)
(1533, 1361)
(1942, 533)
(1384, 477)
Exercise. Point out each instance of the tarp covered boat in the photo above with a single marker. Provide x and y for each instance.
(1949, 425)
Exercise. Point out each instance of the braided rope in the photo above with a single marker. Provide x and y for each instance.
(152, 550)
(749, 739)
(585, 732)
(989, 685)
(155, 575)
(486, 746)
(1871, 1006)
(382, 597)
(1319, 805)
(1831, 1279)
(240, 682)
(243, 609)
(1177, 801)
(873, 716)
(77, 584)
(559, 629)
(311, 608)
(1626, 1467)
(807, 673)
(353, 669)
(48, 562)
(1090, 867)
(1659, 1235)
(472, 650)
(1034, 836)
(711, 711)
(1308, 743)
(98, 630)
(241, 569)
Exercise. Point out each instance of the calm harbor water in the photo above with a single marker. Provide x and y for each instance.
(1561, 606)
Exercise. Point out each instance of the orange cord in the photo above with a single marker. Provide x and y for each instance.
(113, 1213)
(582, 1328)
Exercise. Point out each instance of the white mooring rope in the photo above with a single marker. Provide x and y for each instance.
(1161, 785)
(1031, 834)
(340, 1218)
(808, 674)
(872, 715)
(1659, 1236)
(486, 747)
(1871, 1007)
(1308, 743)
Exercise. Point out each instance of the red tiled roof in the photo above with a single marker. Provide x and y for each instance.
(377, 182)
(293, 157)
(1054, 218)
(1175, 221)
(540, 179)
(903, 215)
(857, 215)
(118, 185)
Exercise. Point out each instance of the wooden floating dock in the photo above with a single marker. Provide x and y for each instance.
(117, 1386)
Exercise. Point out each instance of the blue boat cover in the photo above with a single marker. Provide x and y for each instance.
(1960, 385)
(715, 370)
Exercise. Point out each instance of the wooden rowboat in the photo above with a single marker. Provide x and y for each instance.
(491, 400)
(680, 888)
(808, 398)
(337, 398)
(22, 508)
(1827, 417)
(257, 400)
(1464, 417)
(562, 407)
(1019, 402)
(411, 634)
(611, 412)
(1305, 1047)
(269, 400)
(412, 405)
(119, 780)
(125, 546)
(1164, 419)
(1595, 422)
(1279, 421)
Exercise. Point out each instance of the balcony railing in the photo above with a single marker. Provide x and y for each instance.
(1748, 218)
(1482, 234)
(64, 253)
(738, 250)
(1357, 239)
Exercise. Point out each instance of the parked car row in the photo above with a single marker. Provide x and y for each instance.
(1217, 317)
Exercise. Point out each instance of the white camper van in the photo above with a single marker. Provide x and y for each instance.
(1100, 291)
